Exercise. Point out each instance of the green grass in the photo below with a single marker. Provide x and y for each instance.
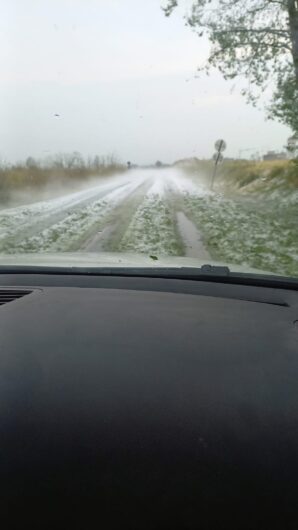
(252, 234)
(253, 217)
(66, 235)
(153, 229)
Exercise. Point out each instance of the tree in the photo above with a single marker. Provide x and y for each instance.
(74, 161)
(96, 162)
(256, 39)
(31, 163)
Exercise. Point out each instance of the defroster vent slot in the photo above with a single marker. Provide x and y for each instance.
(9, 295)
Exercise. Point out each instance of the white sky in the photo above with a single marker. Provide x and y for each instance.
(122, 78)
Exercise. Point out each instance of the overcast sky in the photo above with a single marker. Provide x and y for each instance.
(121, 76)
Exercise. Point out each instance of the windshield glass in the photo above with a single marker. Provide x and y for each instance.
(157, 130)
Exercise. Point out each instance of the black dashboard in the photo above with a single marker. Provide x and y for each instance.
(134, 402)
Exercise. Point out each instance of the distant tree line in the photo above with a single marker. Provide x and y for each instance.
(71, 161)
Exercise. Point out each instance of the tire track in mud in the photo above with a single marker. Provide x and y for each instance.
(188, 234)
(109, 232)
(192, 239)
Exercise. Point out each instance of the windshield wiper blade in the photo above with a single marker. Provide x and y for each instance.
(207, 273)
(204, 270)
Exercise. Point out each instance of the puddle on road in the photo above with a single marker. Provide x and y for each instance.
(191, 237)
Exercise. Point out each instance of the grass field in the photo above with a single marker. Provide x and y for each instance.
(252, 216)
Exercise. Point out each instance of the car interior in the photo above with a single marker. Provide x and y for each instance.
(148, 399)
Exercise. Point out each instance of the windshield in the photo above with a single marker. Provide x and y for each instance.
(157, 130)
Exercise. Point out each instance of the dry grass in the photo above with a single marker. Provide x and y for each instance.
(259, 177)
(18, 180)
(243, 176)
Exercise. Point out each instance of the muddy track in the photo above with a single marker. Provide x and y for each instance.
(107, 235)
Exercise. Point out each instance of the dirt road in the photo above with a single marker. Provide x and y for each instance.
(159, 212)
(139, 211)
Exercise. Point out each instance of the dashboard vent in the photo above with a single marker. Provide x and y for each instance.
(7, 295)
